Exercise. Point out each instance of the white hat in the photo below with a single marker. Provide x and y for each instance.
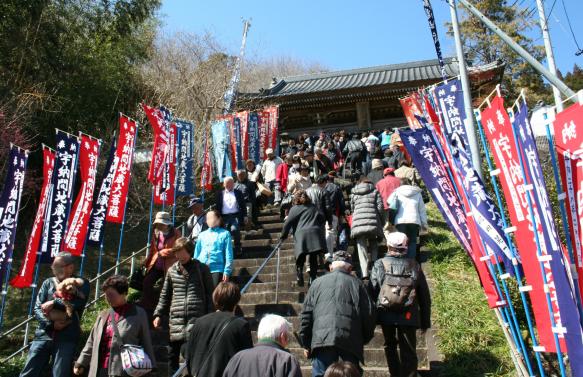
(269, 151)
(162, 218)
(397, 240)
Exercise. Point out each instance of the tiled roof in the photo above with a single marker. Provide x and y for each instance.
(361, 77)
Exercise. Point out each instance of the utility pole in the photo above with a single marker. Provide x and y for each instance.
(544, 25)
(469, 120)
(552, 77)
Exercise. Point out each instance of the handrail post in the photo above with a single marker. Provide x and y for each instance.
(277, 278)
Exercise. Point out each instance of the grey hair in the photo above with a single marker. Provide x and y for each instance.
(272, 326)
(66, 257)
(228, 178)
(341, 264)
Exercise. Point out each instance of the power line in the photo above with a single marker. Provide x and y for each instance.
(579, 50)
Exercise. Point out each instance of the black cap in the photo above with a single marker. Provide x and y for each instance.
(342, 256)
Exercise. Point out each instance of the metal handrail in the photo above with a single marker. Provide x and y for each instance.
(89, 304)
(275, 250)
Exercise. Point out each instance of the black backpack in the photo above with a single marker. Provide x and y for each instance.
(398, 291)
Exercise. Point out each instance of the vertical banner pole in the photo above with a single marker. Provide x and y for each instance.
(148, 244)
(517, 271)
(37, 269)
(564, 219)
(470, 125)
(507, 315)
(99, 268)
(123, 221)
(539, 254)
(32, 297)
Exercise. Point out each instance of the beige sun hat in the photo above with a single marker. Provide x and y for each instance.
(163, 218)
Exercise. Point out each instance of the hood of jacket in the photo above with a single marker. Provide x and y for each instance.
(408, 190)
(363, 188)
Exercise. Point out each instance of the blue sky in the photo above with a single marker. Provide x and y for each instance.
(345, 34)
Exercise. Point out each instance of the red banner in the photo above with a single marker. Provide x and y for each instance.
(79, 218)
(273, 126)
(206, 176)
(412, 107)
(244, 116)
(568, 127)
(121, 180)
(25, 275)
(498, 130)
(160, 148)
(166, 197)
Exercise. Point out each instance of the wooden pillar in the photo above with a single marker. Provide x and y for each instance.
(363, 116)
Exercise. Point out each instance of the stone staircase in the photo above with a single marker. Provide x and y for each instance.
(260, 298)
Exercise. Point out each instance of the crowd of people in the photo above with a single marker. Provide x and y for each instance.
(310, 183)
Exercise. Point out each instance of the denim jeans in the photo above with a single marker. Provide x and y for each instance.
(322, 358)
(61, 353)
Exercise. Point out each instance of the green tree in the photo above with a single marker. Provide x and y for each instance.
(482, 46)
(574, 79)
(76, 59)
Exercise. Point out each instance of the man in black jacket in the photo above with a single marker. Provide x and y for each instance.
(400, 321)
(338, 317)
(231, 205)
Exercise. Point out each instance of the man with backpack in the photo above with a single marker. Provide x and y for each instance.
(403, 305)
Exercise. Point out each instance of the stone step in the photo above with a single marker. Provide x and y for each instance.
(284, 268)
(272, 227)
(288, 286)
(269, 298)
(372, 357)
(271, 278)
(257, 311)
(269, 219)
(368, 371)
(376, 343)
(269, 211)
(256, 262)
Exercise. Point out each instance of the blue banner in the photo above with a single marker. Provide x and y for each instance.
(9, 207)
(568, 324)
(66, 155)
(427, 160)
(97, 220)
(221, 145)
(238, 143)
(253, 127)
(185, 159)
(486, 214)
(450, 101)
(431, 20)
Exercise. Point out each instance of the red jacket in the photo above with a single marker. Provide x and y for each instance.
(386, 186)
(281, 175)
